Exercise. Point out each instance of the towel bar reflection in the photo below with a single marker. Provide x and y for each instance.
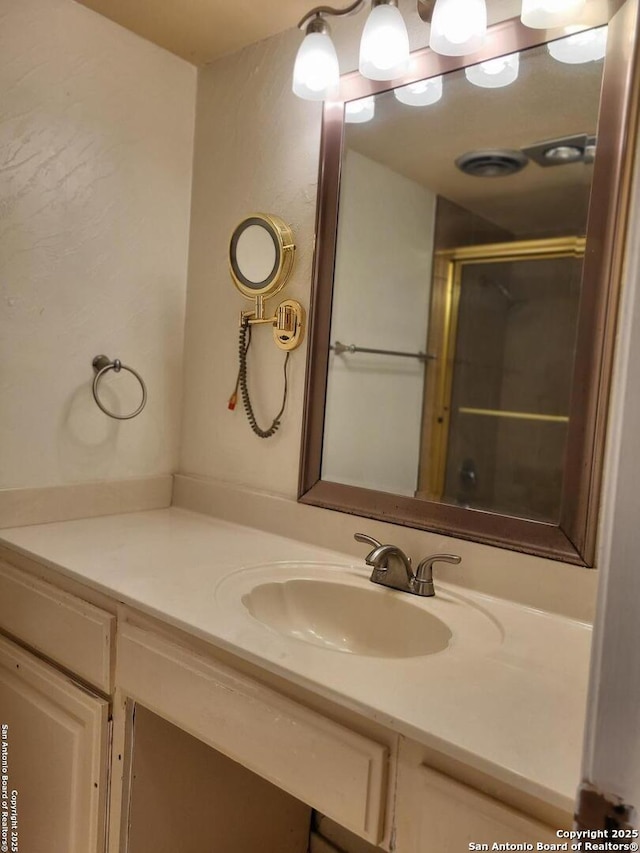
(340, 349)
(102, 364)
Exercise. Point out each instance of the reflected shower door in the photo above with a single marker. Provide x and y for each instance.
(505, 380)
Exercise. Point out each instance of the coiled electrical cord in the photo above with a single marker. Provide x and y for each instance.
(244, 341)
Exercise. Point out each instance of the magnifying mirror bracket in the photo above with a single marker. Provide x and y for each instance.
(288, 322)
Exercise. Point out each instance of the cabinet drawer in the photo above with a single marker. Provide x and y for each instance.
(322, 763)
(74, 634)
(437, 814)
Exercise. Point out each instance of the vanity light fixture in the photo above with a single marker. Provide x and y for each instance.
(357, 112)
(458, 27)
(580, 46)
(420, 94)
(316, 74)
(494, 73)
(384, 48)
(546, 14)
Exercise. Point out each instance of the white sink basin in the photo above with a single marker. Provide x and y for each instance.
(347, 618)
(338, 609)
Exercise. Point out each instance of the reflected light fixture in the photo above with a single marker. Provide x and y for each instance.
(420, 94)
(357, 112)
(580, 46)
(494, 73)
(546, 14)
(458, 27)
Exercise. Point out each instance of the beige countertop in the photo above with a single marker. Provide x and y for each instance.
(515, 711)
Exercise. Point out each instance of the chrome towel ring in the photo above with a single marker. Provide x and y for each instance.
(101, 365)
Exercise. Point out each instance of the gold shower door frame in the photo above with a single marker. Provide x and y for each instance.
(443, 328)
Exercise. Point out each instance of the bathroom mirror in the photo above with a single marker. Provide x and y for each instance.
(469, 237)
(261, 253)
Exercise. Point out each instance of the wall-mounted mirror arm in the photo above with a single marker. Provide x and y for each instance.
(261, 253)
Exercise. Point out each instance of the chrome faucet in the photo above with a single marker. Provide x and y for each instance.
(392, 567)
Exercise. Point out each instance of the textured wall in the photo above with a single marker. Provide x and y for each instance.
(256, 149)
(96, 133)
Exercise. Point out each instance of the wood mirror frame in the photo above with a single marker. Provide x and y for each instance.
(573, 539)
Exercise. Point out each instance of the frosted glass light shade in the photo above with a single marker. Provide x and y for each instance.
(420, 94)
(316, 74)
(494, 73)
(357, 112)
(579, 47)
(458, 27)
(384, 48)
(545, 14)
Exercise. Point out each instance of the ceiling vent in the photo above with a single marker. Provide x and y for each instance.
(492, 163)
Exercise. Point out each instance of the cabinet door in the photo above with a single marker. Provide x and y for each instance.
(53, 749)
(435, 814)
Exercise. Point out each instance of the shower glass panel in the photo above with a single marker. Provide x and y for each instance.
(499, 423)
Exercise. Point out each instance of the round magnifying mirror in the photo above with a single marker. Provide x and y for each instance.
(261, 255)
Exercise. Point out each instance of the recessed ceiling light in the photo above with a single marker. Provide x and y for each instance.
(562, 151)
(564, 154)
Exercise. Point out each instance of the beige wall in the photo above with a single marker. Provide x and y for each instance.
(96, 134)
(256, 149)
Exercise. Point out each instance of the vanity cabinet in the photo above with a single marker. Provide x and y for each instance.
(75, 684)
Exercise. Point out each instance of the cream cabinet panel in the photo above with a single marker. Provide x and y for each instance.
(74, 634)
(436, 814)
(56, 754)
(331, 768)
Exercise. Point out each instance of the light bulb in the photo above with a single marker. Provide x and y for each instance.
(420, 94)
(357, 112)
(546, 14)
(580, 46)
(458, 27)
(494, 73)
(316, 74)
(384, 48)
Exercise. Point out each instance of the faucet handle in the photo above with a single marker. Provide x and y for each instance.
(424, 572)
(367, 540)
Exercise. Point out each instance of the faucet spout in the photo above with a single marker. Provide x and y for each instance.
(391, 566)
(384, 557)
